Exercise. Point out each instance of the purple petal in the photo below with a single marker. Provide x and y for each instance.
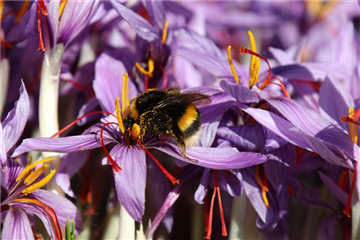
(241, 136)
(70, 165)
(292, 134)
(334, 188)
(214, 158)
(240, 93)
(155, 10)
(15, 121)
(17, 225)
(254, 194)
(62, 207)
(334, 101)
(75, 18)
(23, 29)
(187, 176)
(231, 183)
(139, 24)
(89, 106)
(62, 144)
(328, 226)
(130, 182)
(315, 125)
(202, 189)
(31, 208)
(108, 81)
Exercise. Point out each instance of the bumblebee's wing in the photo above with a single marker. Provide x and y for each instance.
(184, 98)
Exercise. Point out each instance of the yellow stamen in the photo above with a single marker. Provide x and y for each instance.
(39, 184)
(35, 174)
(352, 127)
(326, 9)
(1, 8)
(62, 7)
(254, 62)
(165, 31)
(265, 199)
(313, 7)
(29, 167)
(125, 92)
(232, 65)
(22, 11)
(150, 67)
(118, 115)
(264, 188)
(135, 130)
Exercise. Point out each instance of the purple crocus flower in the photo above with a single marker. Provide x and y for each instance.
(21, 195)
(131, 158)
(21, 198)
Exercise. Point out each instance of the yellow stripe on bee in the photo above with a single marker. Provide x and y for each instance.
(188, 118)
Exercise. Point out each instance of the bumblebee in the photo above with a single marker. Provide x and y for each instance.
(162, 113)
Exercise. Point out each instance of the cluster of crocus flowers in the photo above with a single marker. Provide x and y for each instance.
(279, 137)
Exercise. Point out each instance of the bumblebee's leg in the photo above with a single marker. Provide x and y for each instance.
(182, 146)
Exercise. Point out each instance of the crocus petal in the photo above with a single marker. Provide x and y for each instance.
(14, 123)
(62, 144)
(215, 65)
(293, 135)
(17, 225)
(109, 80)
(139, 24)
(214, 158)
(187, 176)
(340, 194)
(241, 136)
(315, 125)
(62, 207)
(231, 183)
(155, 10)
(328, 226)
(75, 18)
(130, 190)
(334, 100)
(26, 25)
(70, 165)
(202, 189)
(31, 208)
(253, 192)
(240, 93)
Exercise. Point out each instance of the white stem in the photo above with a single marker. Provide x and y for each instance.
(126, 225)
(49, 92)
(355, 214)
(4, 81)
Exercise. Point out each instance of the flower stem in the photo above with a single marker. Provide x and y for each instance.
(4, 80)
(48, 102)
(126, 225)
(355, 215)
(49, 91)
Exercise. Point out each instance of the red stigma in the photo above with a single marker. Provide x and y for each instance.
(166, 173)
(80, 86)
(347, 209)
(115, 166)
(41, 41)
(6, 44)
(244, 50)
(147, 78)
(78, 119)
(43, 7)
(209, 215)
